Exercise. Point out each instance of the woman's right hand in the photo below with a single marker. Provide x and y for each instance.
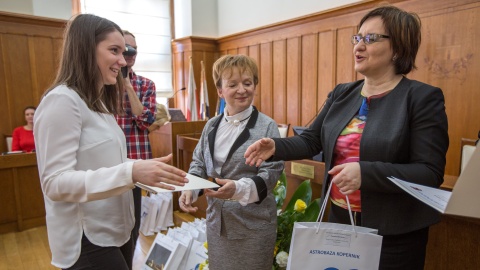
(156, 173)
(259, 151)
(185, 202)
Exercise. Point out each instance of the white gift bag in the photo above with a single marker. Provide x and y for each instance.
(323, 245)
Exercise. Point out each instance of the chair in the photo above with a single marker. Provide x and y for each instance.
(283, 129)
(8, 140)
(467, 149)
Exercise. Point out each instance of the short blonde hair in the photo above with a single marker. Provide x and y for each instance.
(227, 62)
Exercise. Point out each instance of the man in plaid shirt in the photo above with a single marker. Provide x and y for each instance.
(139, 104)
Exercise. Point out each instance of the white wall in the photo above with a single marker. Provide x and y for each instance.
(204, 18)
(58, 9)
(219, 18)
(17, 6)
(240, 15)
(149, 21)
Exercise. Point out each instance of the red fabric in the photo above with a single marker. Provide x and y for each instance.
(22, 140)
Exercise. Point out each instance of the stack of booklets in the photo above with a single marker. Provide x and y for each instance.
(462, 201)
(182, 248)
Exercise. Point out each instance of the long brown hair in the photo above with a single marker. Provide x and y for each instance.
(78, 65)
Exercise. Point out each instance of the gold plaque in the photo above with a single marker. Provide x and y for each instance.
(303, 170)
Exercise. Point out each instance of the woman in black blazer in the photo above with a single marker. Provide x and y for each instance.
(385, 125)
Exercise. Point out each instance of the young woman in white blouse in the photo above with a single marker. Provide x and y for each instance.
(85, 175)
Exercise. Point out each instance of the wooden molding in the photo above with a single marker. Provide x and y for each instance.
(31, 20)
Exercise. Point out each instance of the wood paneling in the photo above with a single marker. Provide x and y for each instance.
(164, 139)
(294, 96)
(301, 60)
(186, 144)
(29, 48)
(266, 78)
(199, 49)
(279, 87)
(21, 195)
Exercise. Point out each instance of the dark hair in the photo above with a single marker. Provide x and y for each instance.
(404, 29)
(126, 32)
(227, 62)
(29, 107)
(78, 66)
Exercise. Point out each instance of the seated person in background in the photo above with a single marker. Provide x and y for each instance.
(241, 214)
(162, 117)
(22, 137)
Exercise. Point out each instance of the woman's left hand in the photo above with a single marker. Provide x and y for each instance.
(347, 177)
(226, 191)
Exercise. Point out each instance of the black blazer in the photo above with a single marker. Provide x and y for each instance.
(406, 136)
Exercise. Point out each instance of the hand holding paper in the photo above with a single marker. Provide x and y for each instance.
(194, 183)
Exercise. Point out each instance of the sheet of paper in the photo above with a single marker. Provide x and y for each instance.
(194, 183)
(434, 197)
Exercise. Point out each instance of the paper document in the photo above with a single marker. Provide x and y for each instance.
(436, 198)
(194, 182)
(462, 201)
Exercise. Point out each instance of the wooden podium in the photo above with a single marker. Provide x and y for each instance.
(164, 140)
(21, 194)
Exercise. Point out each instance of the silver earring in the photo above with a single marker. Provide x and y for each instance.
(394, 58)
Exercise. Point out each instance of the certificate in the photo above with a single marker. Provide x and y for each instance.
(194, 182)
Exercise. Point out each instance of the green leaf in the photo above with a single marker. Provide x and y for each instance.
(312, 211)
(280, 191)
(303, 192)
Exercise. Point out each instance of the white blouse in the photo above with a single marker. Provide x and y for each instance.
(228, 131)
(85, 175)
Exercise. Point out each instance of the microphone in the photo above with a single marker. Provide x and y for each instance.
(168, 99)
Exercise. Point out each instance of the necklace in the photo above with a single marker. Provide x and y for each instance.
(237, 122)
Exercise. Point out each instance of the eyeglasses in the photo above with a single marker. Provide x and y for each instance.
(368, 39)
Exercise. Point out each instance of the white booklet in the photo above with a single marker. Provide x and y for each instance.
(436, 198)
(165, 253)
(194, 182)
(462, 201)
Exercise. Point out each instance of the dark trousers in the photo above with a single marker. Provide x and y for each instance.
(402, 251)
(137, 202)
(104, 258)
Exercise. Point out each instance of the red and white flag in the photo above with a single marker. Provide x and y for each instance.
(192, 111)
(204, 105)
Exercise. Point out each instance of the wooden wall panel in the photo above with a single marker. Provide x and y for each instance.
(326, 66)
(279, 66)
(293, 74)
(17, 80)
(7, 200)
(309, 68)
(254, 52)
(43, 65)
(179, 81)
(266, 79)
(6, 126)
(449, 60)
(243, 50)
(199, 49)
(344, 50)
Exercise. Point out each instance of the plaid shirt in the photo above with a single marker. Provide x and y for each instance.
(135, 127)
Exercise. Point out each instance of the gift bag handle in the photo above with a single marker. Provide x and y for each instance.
(324, 206)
